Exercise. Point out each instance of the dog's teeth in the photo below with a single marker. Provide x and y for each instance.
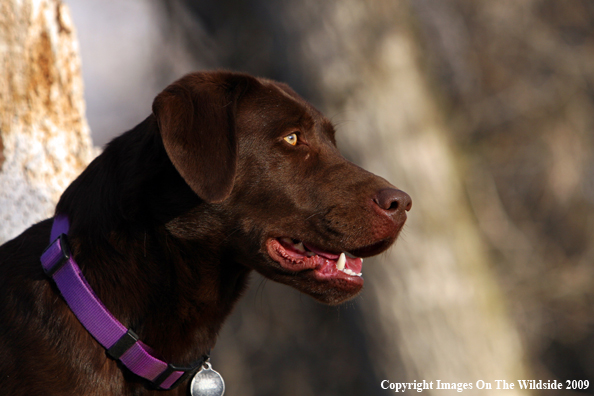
(288, 241)
(341, 262)
(349, 271)
(300, 247)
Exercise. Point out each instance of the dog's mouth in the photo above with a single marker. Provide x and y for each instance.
(298, 256)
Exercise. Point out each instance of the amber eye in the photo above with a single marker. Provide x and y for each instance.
(291, 139)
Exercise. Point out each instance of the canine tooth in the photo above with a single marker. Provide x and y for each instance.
(300, 247)
(341, 262)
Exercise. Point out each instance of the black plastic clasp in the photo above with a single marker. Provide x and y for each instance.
(65, 250)
(171, 369)
(122, 345)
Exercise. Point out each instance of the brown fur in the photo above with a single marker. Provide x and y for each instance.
(168, 222)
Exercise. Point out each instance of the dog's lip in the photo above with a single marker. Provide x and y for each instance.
(296, 256)
(373, 249)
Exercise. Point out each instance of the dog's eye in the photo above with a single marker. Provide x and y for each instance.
(291, 139)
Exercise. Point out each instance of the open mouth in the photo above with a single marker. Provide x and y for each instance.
(295, 255)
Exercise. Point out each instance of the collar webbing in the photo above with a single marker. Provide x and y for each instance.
(121, 343)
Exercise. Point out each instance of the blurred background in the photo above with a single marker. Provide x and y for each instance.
(483, 111)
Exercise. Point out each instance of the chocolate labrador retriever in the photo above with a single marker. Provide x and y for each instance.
(154, 242)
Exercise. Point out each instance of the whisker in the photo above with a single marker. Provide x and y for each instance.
(231, 233)
(260, 290)
(315, 214)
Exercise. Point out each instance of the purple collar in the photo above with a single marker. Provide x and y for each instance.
(121, 343)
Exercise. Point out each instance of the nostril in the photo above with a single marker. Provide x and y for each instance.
(393, 200)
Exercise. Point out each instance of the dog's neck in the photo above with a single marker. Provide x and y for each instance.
(139, 210)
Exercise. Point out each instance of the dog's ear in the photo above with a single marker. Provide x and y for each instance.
(196, 118)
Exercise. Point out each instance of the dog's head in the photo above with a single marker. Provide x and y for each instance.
(297, 212)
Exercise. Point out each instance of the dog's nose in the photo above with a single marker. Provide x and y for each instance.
(393, 201)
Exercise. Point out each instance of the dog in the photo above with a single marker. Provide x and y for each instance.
(229, 174)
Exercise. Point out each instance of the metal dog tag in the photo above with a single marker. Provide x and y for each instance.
(207, 382)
